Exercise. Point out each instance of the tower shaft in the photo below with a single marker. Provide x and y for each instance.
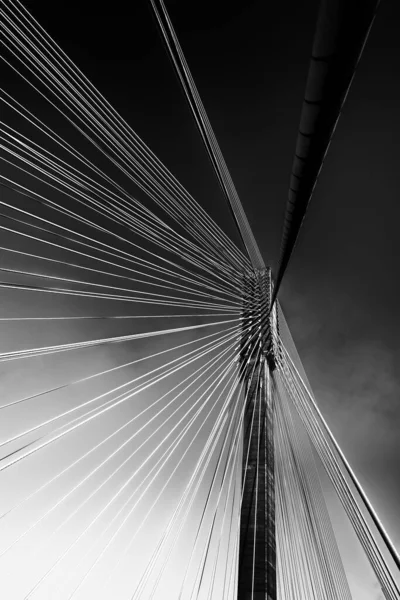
(257, 553)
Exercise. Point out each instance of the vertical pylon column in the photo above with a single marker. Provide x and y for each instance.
(270, 542)
(257, 555)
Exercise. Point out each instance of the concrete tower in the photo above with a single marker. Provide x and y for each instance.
(257, 554)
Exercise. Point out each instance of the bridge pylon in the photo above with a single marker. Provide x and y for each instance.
(257, 548)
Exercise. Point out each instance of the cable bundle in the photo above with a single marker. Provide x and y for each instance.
(346, 485)
(309, 563)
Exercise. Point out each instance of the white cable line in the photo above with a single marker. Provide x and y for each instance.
(171, 285)
(217, 557)
(212, 360)
(102, 341)
(51, 134)
(244, 470)
(102, 411)
(125, 212)
(104, 440)
(334, 565)
(38, 198)
(351, 505)
(150, 276)
(206, 131)
(16, 232)
(116, 495)
(78, 178)
(244, 405)
(248, 342)
(202, 563)
(130, 132)
(160, 493)
(198, 530)
(125, 461)
(118, 215)
(82, 481)
(178, 509)
(76, 103)
(117, 297)
(234, 568)
(217, 429)
(144, 151)
(63, 144)
(173, 446)
(124, 255)
(235, 443)
(361, 526)
(225, 511)
(235, 572)
(317, 580)
(346, 464)
(258, 392)
(229, 436)
(112, 369)
(119, 219)
(105, 317)
(102, 408)
(96, 398)
(233, 512)
(109, 404)
(105, 286)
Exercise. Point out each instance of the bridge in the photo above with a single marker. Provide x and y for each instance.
(160, 437)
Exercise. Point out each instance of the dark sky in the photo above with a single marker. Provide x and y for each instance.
(341, 292)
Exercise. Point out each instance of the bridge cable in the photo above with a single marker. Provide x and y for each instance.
(204, 126)
(13, 39)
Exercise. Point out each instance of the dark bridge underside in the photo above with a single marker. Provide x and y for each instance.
(342, 29)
